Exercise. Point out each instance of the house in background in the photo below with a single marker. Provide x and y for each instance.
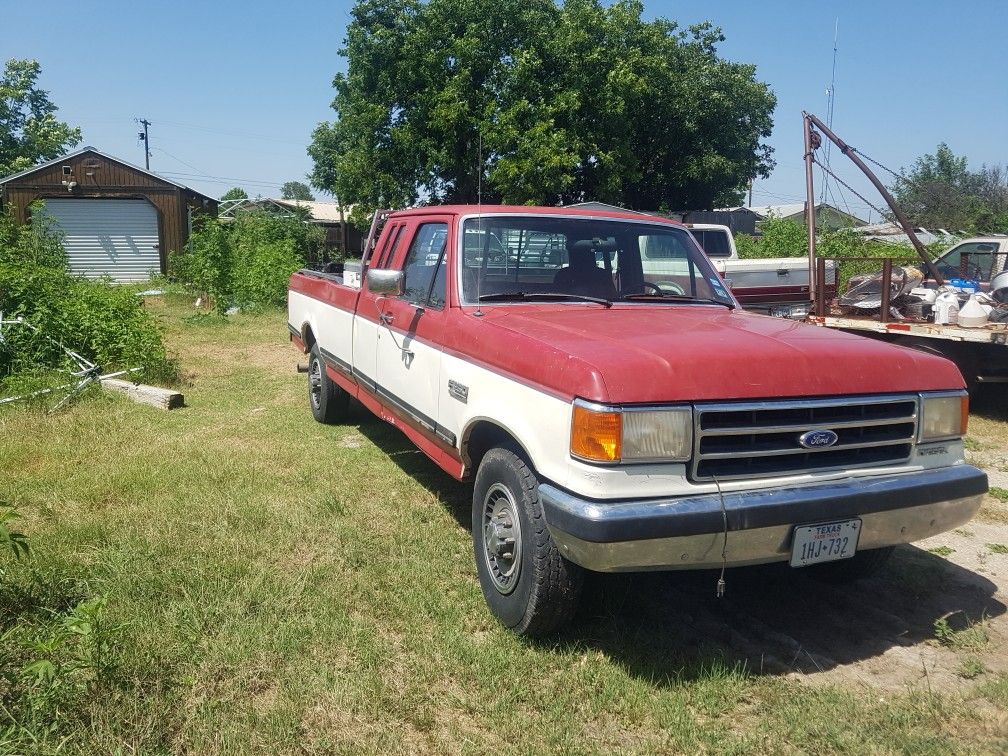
(117, 219)
(342, 240)
(827, 217)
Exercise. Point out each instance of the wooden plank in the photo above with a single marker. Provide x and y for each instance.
(155, 396)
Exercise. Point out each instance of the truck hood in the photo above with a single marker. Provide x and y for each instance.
(633, 353)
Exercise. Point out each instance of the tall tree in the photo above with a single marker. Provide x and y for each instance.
(527, 101)
(940, 191)
(234, 193)
(29, 131)
(296, 190)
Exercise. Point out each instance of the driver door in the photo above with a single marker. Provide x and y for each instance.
(410, 327)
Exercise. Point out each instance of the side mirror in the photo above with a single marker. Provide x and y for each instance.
(386, 282)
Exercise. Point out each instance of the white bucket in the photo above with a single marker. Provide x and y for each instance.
(946, 308)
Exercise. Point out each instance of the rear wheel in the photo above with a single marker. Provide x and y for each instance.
(328, 402)
(862, 565)
(528, 585)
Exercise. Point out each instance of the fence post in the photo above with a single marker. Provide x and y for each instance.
(886, 289)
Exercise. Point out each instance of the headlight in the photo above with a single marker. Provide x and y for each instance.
(943, 416)
(609, 434)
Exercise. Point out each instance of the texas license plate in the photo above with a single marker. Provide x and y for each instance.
(826, 542)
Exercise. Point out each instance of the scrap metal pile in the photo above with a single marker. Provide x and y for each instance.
(83, 373)
(912, 298)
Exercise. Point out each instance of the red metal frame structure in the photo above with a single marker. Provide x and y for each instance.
(817, 267)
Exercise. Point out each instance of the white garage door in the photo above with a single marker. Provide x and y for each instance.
(108, 237)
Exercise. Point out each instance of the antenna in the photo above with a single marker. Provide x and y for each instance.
(479, 222)
(830, 101)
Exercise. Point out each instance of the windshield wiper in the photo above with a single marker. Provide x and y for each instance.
(681, 298)
(521, 296)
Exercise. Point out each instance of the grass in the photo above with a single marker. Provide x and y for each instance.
(1000, 494)
(942, 551)
(233, 577)
(997, 548)
(957, 631)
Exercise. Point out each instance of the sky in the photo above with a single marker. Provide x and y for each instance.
(233, 91)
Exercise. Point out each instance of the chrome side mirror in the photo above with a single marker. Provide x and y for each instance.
(386, 282)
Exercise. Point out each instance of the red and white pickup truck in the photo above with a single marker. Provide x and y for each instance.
(611, 422)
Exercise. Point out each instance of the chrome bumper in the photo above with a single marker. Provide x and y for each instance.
(689, 532)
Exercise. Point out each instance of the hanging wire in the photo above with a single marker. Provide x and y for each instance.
(877, 163)
(851, 189)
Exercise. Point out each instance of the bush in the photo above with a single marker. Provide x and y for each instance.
(248, 261)
(105, 323)
(787, 238)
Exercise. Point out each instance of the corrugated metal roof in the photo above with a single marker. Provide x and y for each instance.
(320, 211)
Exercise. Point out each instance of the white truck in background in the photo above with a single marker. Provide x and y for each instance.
(774, 286)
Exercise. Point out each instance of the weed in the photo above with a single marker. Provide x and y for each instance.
(1001, 494)
(997, 548)
(942, 551)
(12, 541)
(971, 668)
(958, 631)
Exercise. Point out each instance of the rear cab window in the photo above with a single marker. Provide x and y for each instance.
(714, 241)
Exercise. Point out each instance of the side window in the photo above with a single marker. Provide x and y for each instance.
(387, 253)
(424, 267)
(973, 259)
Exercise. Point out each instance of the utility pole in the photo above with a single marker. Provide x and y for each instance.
(146, 142)
(750, 192)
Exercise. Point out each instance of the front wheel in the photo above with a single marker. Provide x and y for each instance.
(528, 585)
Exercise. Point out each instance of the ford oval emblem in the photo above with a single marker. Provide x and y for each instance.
(817, 439)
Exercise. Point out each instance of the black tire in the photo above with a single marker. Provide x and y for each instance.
(538, 593)
(329, 403)
(862, 565)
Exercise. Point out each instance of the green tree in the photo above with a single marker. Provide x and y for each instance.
(296, 190)
(531, 102)
(234, 193)
(29, 131)
(940, 191)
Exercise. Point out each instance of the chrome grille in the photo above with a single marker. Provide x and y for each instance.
(759, 439)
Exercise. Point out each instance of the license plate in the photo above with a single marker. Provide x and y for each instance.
(826, 542)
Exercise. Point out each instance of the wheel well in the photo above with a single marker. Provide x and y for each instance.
(309, 338)
(484, 436)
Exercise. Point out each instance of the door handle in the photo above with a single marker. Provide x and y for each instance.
(386, 317)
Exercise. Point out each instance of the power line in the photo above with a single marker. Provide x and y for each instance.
(220, 179)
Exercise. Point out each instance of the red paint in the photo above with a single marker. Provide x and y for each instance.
(639, 353)
(327, 290)
(296, 341)
(662, 353)
(445, 457)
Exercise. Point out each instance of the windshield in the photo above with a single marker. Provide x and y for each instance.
(533, 256)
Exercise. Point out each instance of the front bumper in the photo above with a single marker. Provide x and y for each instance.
(689, 532)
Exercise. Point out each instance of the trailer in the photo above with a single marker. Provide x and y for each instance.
(980, 353)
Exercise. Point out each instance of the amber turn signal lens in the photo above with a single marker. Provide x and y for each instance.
(596, 435)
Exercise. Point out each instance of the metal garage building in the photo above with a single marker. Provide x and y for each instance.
(118, 220)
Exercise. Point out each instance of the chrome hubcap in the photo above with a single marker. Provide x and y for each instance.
(315, 383)
(502, 543)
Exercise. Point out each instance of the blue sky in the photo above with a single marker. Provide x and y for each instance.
(234, 90)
